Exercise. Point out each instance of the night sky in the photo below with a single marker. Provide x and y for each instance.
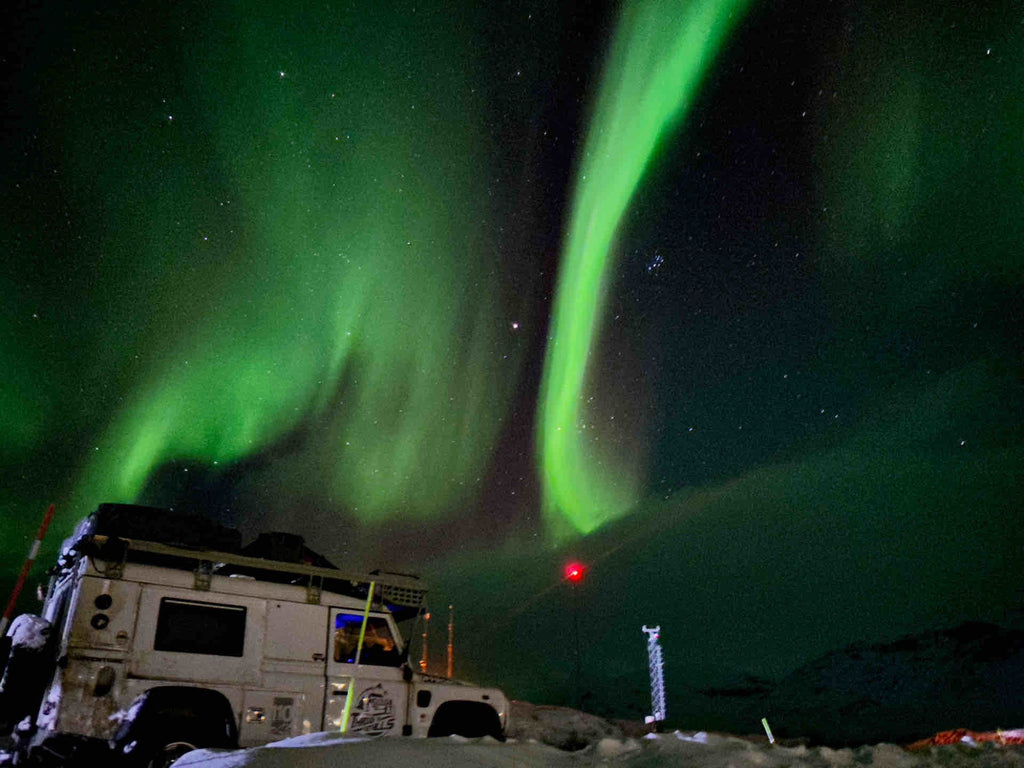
(722, 297)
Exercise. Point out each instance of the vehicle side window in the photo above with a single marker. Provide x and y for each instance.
(188, 626)
(379, 647)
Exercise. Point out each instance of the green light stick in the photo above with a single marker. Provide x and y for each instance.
(359, 651)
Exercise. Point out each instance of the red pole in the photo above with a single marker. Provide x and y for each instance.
(426, 631)
(23, 576)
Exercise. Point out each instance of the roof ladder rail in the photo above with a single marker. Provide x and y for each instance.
(314, 587)
(115, 568)
(202, 575)
(111, 550)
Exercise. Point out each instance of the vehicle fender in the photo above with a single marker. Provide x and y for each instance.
(462, 717)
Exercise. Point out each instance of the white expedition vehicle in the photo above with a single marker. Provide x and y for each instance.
(160, 634)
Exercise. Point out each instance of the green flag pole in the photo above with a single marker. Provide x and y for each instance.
(359, 652)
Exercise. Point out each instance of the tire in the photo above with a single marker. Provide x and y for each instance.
(162, 757)
(158, 751)
(172, 720)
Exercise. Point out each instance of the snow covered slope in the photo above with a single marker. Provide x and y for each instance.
(970, 676)
(899, 691)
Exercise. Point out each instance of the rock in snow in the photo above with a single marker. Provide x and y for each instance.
(561, 727)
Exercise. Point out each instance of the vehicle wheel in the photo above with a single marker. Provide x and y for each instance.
(168, 753)
(157, 753)
(166, 722)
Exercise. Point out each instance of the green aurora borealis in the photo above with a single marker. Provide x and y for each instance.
(723, 298)
(660, 53)
(304, 228)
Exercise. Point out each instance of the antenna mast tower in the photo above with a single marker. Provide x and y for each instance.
(657, 670)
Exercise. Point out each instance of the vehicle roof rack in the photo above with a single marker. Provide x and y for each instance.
(121, 533)
(394, 590)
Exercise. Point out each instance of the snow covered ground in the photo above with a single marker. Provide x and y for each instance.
(541, 727)
(595, 742)
(322, 750)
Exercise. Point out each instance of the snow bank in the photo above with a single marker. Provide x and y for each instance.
(560, 727)
(700, 750)
(334, 751)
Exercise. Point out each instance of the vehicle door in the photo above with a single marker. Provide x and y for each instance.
(374, 688)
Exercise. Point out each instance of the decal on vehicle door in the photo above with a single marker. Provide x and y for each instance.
(281, 722)
(374, 714)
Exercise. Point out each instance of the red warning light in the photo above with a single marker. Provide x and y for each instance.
(574, 572)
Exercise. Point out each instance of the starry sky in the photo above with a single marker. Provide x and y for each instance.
(723, 297)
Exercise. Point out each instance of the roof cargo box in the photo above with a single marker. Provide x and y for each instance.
(181, 529)
(285, 547)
